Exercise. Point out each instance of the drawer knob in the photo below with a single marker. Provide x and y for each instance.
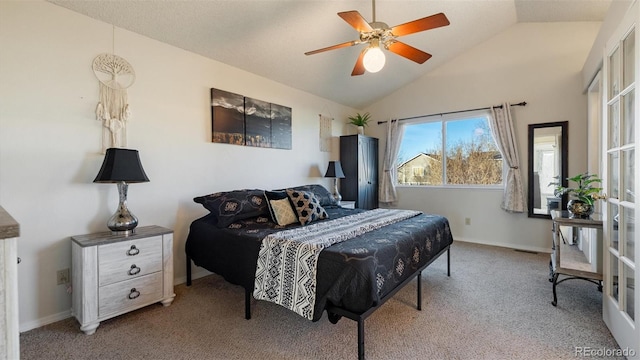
(133, 251)
(134, 294)
(134, 270)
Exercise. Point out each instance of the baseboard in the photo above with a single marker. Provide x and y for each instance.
(194, 275)
(506, 245)
(26, 326)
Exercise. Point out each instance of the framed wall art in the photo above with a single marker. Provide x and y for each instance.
(280, 127)
(240, 120)
(257, 121)
(227, 114)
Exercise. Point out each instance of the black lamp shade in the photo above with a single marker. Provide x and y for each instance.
(334, 170)
(121, 165)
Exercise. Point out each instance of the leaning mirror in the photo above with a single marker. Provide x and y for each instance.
(548, 150)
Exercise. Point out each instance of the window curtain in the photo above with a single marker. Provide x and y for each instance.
(389, 172)
(501, 124)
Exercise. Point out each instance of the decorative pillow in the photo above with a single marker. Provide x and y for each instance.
(282, 212)
(231, 206)
(307, 206)
(280, 215)
(322, 194)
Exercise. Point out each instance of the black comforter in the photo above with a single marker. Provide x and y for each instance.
(353, 275)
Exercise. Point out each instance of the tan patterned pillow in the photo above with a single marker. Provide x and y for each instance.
(283, 212)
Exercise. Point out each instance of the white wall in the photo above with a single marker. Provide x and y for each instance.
(50, 141)
(539, 63)
(616, 12)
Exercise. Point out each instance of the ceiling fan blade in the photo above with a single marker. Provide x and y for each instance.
(429, 22)
(408, 52)
(346, 44)
(356, 20)
(359, 68)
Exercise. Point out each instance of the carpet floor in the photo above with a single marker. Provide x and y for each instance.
(495, 305)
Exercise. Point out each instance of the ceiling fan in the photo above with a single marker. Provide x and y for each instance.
(378, 35)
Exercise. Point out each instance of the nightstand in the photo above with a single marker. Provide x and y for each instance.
(348, 204)
(115, 274)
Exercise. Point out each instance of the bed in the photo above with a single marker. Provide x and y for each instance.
(354, 277)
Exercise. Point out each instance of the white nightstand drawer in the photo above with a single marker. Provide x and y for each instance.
(129, 259)
(130, 294)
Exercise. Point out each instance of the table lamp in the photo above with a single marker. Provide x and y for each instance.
(122, 166)
(334, 170)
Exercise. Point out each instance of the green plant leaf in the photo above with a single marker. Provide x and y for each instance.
(585, 191)
(360, 119)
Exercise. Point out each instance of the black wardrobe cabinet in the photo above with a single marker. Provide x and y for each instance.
(359, 158)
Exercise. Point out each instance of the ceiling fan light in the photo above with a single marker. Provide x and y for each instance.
(373, 59)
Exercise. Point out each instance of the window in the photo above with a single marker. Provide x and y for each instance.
(471, 156)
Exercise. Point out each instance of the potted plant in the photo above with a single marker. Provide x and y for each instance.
(360, 120)
(582, 196)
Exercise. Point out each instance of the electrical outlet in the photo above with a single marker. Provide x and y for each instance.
(467, 221)
(62, 276)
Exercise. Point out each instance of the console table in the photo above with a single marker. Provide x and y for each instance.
(9, 326)
(567, 259)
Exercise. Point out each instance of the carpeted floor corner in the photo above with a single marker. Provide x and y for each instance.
(496, 305)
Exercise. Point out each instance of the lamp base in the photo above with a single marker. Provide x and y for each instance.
(336, 194)
(124, 233)
(123, 222)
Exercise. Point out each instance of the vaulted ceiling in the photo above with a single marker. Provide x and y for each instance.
(269, 37)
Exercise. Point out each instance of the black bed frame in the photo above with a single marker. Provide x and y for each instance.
(335, 313)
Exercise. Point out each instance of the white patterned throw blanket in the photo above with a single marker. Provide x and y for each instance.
(287, 262)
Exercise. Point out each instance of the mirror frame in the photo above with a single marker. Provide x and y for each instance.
(564, 166)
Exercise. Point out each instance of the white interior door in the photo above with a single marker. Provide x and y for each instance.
(620, 298)
(591, 243)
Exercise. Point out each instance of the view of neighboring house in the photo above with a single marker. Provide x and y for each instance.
(478, 167)
(416, 170)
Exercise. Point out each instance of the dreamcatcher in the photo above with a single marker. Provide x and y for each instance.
(115, 75)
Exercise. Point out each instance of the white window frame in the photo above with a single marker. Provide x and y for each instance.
(443, 119)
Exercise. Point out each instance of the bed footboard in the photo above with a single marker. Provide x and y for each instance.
(360, 318)
(335, 313)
